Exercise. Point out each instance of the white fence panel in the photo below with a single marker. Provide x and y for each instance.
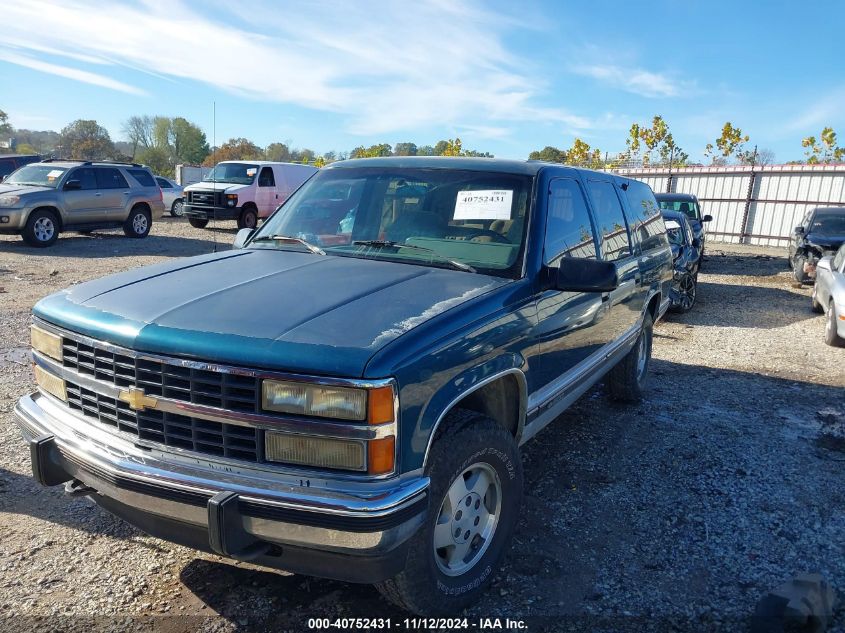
(755, 205)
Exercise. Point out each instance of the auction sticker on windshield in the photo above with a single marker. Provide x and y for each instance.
(487, 204)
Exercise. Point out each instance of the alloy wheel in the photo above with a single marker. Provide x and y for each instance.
(44, 229)
(467, 519)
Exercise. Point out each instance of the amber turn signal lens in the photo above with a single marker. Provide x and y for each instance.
(380, 408)
(46, 342)
(381, 456)
(50, 383)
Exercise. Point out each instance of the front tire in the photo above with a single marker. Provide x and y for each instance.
(831, 335)
(798, 270)
(248, 219)
(475, 496)
(626, 381)
(139, 223)
(42, 229)
(687, 293)
(814, 301)
(178, 208)
(198, 223)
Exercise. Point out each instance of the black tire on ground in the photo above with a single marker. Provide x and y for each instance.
(626, 382)
(468, 449)
(198, 223)
(139, 222)
(248, 219)
(798, 270)
(42, 228)
(815, 306)
(688, 290)
(831, 336)
(177, 208)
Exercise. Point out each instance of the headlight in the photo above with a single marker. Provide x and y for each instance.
(301, 398)
(232, 199)
(9, 201)
(46, 342)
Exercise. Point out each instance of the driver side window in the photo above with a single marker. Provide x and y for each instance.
(569, 228)
(266, 178)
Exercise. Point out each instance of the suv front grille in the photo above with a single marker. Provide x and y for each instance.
(177, 431)
(225, 391)
(198, 386)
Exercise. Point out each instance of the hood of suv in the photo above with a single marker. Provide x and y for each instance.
(21, 189)
(825, 241)
(272, 309)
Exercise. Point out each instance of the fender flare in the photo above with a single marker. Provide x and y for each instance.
(469, 381)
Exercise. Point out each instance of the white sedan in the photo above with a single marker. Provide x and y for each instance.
(829, 296)
(172, 195)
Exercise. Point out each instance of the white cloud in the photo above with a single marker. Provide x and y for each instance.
(822, 112)
(635, 80)
(384, 67)
(68, 72)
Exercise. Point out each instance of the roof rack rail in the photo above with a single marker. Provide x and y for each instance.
(65, 160)
(117, 162)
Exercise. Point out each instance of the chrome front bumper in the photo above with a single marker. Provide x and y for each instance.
(246, 514)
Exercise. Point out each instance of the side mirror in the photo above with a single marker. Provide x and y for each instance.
(73, 184)
(707, 218)
(584, 275)
(799, 229)
(241, 237)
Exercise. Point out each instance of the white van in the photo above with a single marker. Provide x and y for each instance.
(243, 190)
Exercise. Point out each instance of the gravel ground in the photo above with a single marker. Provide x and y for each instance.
(677, 514)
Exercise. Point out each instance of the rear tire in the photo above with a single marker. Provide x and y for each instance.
(831, 336)
(626, 382)
(248, 219)
(474, 501)
(139, 223)
(198, 223)
(42, 229)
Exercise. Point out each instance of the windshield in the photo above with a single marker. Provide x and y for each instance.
(430, 217)
(688, 208)
(237, 173)
(827, 224)
(37, 176)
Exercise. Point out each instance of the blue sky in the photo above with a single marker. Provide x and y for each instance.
(506, 77)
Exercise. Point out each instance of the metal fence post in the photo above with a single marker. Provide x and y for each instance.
(744, 229)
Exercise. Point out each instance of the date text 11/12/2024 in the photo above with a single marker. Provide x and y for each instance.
(417, 624)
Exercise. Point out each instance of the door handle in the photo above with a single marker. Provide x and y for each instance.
(605, 297)
(126, 193)
(97, 195)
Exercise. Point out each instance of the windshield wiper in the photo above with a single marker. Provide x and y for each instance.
(388, 244)
(287, 239)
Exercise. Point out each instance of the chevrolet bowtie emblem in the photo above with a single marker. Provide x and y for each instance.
(137, 399)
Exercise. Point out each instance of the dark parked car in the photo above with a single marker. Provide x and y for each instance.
(687, 204)
(686, 254)
(11, 162)
(344, 395)
(821, 233)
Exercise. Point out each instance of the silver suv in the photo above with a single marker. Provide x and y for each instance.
(40, 200)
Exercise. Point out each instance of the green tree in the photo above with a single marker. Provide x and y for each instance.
(86, 140)
(187, 142)
(382, 149)
(139, 131)
(549, 154)
(440, 147)
(157, 159)
(234, 149)
(453, 148)
(730, 143)
(405, 149)
(824, 150)
(277, 152)
(5, 126)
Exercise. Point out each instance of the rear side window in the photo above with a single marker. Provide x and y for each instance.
(143, 177)
(569, 230)
(164, 184)
(110, 178)
(610, 219)
(839, 258)
(86, 177)
(266, 178)
(646, 221)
